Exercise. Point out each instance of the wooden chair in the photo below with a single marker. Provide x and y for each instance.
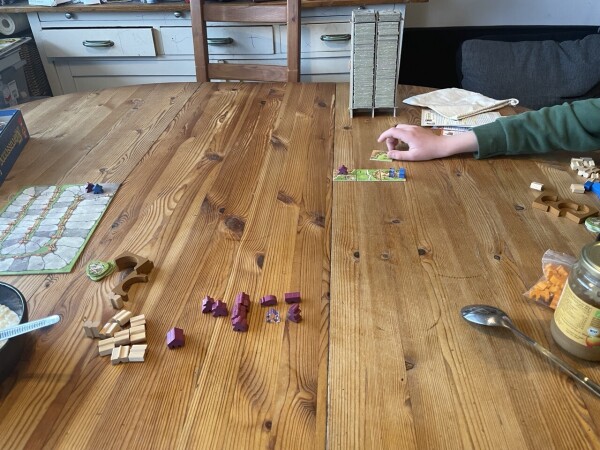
(279, 12)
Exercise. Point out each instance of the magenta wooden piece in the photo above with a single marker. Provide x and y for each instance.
(239, 312)
(175, 338)
(294, 313)
(219, 309)
(240, 324)
(207, 304)
(243, 299)
(268, 300)
(292, 297)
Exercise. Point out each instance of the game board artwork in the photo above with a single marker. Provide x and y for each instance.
(366, 175)
(44, 229)
(380, 155)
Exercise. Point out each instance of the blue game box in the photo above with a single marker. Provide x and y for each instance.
(13, 137)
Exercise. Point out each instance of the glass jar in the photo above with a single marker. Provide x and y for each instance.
(575, 325)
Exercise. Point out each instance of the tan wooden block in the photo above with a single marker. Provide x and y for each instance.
(578, 189)
(115, 357)
(122, 317)
(87, 329)
(95, 328)
(137, 337)
(537, 186)
(110, 329)
(138, 320)
(137, 329)
(105, 347)
(91, 329)
(102, 331)
(122, 337)
(124, 353)
(116, 300)
(137, 353)
(139, 348)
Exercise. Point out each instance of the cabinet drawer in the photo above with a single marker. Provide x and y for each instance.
(320, 37)
(99, 42)
(242, 40)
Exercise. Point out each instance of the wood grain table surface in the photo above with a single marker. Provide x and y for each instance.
(228, 187)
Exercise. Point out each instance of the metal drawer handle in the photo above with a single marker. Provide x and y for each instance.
(335, 37)
(178, 14)
(220, 41)
(87, 43)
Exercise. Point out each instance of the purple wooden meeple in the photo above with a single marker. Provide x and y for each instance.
(89, 187)
(239, 324)
(294, 313)
(175, 338)
(219, 309)
(342, 170)
(268, 300)
(239, 312)
(292, 297)
(207, 304)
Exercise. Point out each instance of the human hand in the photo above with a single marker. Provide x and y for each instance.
(424, 145)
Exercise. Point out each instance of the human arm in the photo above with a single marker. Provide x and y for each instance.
(423, 144)
(570, 126)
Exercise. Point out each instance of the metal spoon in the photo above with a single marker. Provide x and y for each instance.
(494, 317)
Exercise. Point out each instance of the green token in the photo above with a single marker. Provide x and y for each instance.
(593, 224)
(97, 270)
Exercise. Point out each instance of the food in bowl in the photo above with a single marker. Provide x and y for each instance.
(8, 319)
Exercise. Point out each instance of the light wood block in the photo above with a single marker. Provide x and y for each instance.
(115, 357)
(121, 338)
(122, 317)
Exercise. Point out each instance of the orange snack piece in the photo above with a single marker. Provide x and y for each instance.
(549, 288)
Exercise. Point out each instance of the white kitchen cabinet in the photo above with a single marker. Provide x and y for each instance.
(90, 50)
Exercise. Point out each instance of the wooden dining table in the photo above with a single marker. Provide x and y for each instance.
(228, 187)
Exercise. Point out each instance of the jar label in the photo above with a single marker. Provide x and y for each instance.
(577, 320)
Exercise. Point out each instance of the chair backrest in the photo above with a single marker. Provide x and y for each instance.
(279, 12)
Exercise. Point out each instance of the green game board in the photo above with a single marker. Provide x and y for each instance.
(44, 229)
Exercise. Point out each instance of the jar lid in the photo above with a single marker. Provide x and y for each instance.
(590, 257)
(593, 224)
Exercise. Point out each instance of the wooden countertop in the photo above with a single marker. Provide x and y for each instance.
(228, 187)
(24, 7)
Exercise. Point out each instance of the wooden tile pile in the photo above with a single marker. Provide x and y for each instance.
(362, 60)
(124, 345)
(375, 60)
(585, 167)
(387, 59)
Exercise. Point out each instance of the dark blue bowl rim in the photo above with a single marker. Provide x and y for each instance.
(22, 314)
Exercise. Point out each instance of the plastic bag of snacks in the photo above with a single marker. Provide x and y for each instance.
(556, 267)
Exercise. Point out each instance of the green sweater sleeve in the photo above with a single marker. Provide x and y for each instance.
(571, 126)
